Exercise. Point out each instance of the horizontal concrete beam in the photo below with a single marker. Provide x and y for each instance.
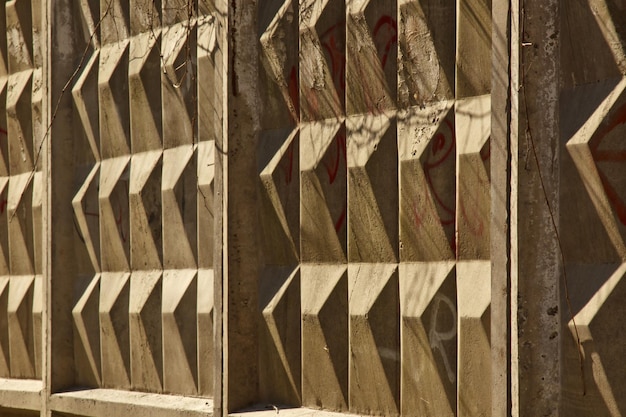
(108, 402)
(23, 394)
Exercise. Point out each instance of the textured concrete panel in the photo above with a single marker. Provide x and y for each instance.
(280, 351)
(180, 369)
(114, 329)
(429, 338)
(426, 144)
(372, 156)
(474, 349)
(323, 192)
(426, 29)
(373, 302)
(325, 336)
(323, 59)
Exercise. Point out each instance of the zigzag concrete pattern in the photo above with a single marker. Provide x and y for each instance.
(377, 148)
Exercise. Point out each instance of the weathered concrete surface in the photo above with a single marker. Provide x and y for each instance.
(535, 191)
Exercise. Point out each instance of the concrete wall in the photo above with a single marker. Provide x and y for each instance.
(372, 207)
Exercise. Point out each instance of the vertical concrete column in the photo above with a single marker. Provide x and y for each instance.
(279, 204)
(58, 166)
(535, 253)
(237, 160)
(501, 95)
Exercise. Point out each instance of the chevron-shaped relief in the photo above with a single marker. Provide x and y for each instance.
(325, 336)
(427, 183)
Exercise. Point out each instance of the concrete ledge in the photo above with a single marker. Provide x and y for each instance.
(20, 394)
(277, 411)
(108, 402)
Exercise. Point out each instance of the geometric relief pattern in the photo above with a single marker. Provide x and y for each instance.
(429, 338)
(279, 354)
(374, 377)
(21, 185)
(598, 154)
(393, 191)
(143, 317)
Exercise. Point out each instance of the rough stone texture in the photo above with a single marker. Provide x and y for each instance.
(348, 206)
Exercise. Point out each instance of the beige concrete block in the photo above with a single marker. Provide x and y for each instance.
(206, 175)
(179, 324)
(371, 36)
(473, 211)
(589, 241)
(429, 338)
(114, 214)
(323, 200)
(20, 122)
(86, 211)
(473, 53)
(278, 25)
(209, 73)
(144, 75)
(20, 320)
(372, 157)
(373, 302)
(85, 95)
(175, 11)
(146, 251)
(21, 232)
(5, 362)
(179, 199)
(597, 329)
(324, 336)
(280, 196)
(114, 329)
(595, 28)
(19, 25)
(427, 147)
(206, 347)
(179, 84)
(89, 16)
(474, 329)
(114, 18)
(427, 45)
(145, 16)
(595, 149)
(322, 59)
(113, 98)
(146, 357)
(86, 315)
(280, 337)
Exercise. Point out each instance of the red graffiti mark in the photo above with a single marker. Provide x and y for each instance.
(3, 131)
(3, 205)
(417, 219)
(618, 118)
(341, 220)
(441, 149)
(473, 220)
(385, 37)
(333, 41)
(340, 154)
(615, 199)
(294, 92)
(118, 222)
(288, 166)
